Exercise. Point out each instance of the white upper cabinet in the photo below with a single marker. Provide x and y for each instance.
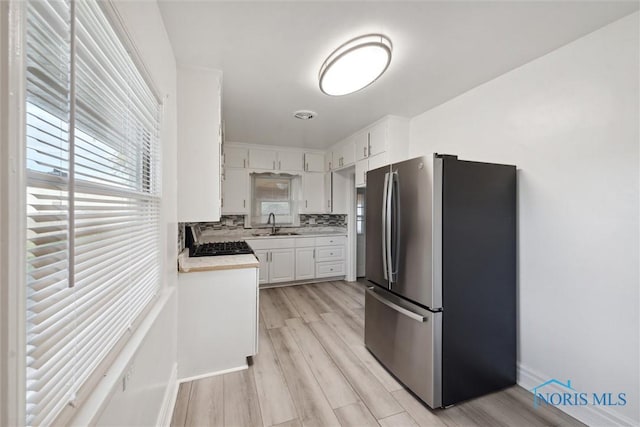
(200, 142)
(235, 192)
(344, 153)
(362, 166)
(314, 162)
(378, 138)
(290, 161)
(313, 193)
(327, 192)
(263, 159)
(328, 160)
(236, 157)
(362, 145)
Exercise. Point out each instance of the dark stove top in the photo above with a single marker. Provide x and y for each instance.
(220, 248)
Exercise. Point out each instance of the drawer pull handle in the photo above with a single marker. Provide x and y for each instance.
(410, 314)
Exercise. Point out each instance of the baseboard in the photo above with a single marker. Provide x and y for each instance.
(302, 282)
(590, 415)
(213, 374)
(169, 400)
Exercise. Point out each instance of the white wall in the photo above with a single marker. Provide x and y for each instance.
(569, 120)
(152, 367)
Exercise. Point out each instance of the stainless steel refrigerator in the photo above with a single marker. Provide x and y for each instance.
(440, 311)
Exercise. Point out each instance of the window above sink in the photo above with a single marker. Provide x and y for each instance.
(274, 193)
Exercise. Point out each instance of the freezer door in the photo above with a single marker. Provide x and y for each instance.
(406, 339)
(375, 220)
(411, 239)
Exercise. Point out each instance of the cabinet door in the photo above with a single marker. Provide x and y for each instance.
(378, 161)
(263, 270)
(198, 159)
(361, 142)
(377, 139)
(235, 192)
(328, 161)
(305, 263)
(327, 192)
(361, 172)
(312, 193)
(289, 161)
(235, 157)
(262, 159)
(314, 162)
(281, 265)
(349, 152)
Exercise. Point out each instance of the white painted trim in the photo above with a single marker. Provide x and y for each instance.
(590, 415)
(169, 400)
(12, 264)
(213, 374)
(352, 258)
(88, 413)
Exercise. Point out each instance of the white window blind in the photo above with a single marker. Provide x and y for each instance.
(93, 199)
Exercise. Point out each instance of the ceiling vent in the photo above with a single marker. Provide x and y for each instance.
(304, 114)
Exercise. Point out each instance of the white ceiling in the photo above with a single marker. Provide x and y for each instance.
(270, 53)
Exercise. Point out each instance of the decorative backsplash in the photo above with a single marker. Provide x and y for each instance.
(323, 220)
(230, 223)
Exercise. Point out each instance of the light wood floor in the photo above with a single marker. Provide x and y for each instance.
(313, 369)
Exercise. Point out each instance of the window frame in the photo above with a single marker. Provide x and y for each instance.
(260, 221)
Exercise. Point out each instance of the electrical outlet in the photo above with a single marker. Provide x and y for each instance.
(312, 221)
(228, 222)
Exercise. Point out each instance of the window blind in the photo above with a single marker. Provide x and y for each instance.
(93, 198)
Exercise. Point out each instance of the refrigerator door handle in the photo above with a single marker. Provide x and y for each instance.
(384, 226)
(394, 225)
(410, 314)
(387, 235)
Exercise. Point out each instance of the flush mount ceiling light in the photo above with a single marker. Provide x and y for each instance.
(355, 65)
(304, 114)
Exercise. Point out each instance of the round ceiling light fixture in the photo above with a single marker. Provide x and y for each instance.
(355, 65)
(304, 114)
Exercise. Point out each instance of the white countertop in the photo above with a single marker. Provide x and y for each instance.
(212, 263)
(212, 238)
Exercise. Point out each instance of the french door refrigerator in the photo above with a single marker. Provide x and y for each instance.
(440, 313)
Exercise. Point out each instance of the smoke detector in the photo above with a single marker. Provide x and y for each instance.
(304, 114)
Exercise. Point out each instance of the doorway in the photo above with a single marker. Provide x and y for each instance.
(360, 233)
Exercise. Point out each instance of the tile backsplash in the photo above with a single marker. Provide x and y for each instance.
(229, 224)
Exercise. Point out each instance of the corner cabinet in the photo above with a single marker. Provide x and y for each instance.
(277, 259)
(200, 143)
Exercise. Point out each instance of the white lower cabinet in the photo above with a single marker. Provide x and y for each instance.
(299, 258)
(305, 263)
(263, 258)
(281, 265)
(217, 320)
(330, 269)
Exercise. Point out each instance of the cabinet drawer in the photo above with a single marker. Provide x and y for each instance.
(330, 253)
(305, 242)
(329, 269)
(330, 240)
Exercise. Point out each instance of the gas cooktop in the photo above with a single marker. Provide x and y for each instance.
(220, 248)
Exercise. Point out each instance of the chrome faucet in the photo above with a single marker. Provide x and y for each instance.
(273, 226)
